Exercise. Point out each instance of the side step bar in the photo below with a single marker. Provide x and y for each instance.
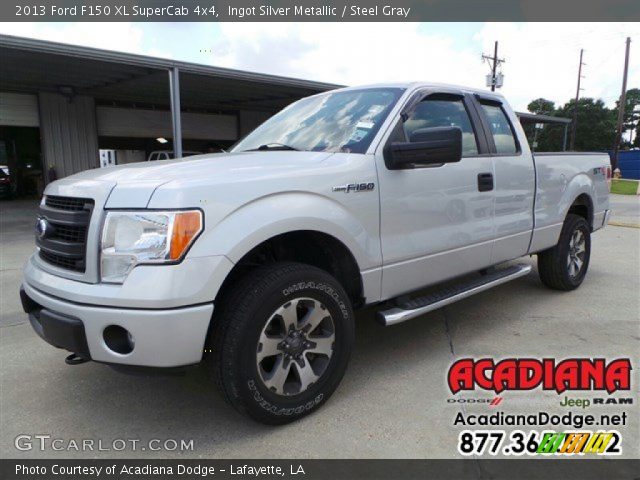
(427, 303)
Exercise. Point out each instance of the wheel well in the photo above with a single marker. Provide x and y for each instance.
(583, 206)
(305, 246)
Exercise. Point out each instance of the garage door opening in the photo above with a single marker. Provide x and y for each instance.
(21, 161)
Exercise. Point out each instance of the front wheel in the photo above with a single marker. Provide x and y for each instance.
(281, 341)
(564, 266)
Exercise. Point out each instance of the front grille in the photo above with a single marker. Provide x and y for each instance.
(66, 203)
(62, 261)
(70, 233)
(64, 242)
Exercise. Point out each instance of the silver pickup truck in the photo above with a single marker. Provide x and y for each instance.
(254, 260)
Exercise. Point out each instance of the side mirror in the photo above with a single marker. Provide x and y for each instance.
(426, 146)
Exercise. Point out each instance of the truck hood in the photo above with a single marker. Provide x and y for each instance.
(132, 185)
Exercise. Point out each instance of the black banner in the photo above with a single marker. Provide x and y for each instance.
(317, 11)
(523, 469)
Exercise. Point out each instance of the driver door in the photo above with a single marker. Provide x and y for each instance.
(436, 222)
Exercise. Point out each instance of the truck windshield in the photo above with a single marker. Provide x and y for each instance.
(344, 121)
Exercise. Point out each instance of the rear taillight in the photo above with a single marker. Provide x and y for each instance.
(608, 176)
(4, 180)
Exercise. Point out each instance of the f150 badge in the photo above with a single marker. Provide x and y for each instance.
(355, 187)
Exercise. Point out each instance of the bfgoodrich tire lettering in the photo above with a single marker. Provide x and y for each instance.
(564, 266)
(238, 330)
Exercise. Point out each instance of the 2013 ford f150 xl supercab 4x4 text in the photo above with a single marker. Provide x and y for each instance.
(254, 260)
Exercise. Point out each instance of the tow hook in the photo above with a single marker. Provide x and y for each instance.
(75, 359)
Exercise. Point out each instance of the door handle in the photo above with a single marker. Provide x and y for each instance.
(485, 182)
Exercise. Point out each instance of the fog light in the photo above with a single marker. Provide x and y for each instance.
(118, 339)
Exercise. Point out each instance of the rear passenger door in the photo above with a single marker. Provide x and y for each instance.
(436, 222)
(514, 179)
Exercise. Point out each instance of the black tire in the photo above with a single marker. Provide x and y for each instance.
(238, 325)
(554, 264)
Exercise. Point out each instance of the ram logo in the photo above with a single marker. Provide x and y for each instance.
(355, 187)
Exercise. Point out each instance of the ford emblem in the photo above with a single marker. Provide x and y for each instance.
(41, 228)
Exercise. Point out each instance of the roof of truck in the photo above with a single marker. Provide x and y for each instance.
(416, 85)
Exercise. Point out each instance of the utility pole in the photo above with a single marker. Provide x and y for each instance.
(622, 104)
(494, 62)
(574, 123)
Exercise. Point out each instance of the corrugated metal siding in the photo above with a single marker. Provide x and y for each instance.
(18, 110)
(70, 138)
(141, 123)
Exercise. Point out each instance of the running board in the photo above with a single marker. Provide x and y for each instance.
(427, 303)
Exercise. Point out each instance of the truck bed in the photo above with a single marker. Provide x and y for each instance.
(560, 177)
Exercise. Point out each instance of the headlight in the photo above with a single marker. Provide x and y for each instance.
(145, 237)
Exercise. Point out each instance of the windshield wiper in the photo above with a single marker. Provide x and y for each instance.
(272, 146)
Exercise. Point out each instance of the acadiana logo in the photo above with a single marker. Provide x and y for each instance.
(530, 373)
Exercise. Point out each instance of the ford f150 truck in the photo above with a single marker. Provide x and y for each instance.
(254, 260)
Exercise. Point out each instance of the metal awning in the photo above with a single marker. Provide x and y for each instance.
(29, 65)
(526, 117)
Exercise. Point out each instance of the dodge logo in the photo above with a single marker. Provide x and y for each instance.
(41, 228)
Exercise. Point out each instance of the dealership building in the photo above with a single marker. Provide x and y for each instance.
(63, 107)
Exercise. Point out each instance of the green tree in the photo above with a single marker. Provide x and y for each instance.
(596, 124)
(631, 118)
(542, 106)
(550, 137)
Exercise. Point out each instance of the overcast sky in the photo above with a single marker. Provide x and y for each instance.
(541, 58)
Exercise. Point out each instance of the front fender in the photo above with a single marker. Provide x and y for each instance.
(266, 217)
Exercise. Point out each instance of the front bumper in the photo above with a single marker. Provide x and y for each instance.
(170, 337)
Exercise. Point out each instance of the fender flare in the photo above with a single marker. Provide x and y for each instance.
(579, 185)
(269, 216)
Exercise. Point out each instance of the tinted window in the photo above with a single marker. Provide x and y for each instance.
(500, 129)
(434, 112)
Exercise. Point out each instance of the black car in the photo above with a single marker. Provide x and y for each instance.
(5, 185)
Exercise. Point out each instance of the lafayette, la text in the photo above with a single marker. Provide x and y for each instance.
(199, 470)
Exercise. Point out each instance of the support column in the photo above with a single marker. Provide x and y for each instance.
(176, 123)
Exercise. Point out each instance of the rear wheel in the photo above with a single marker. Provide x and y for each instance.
(564, 266)
(281, 341)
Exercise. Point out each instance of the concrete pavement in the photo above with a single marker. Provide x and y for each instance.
(392, 403)
(625, 209)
